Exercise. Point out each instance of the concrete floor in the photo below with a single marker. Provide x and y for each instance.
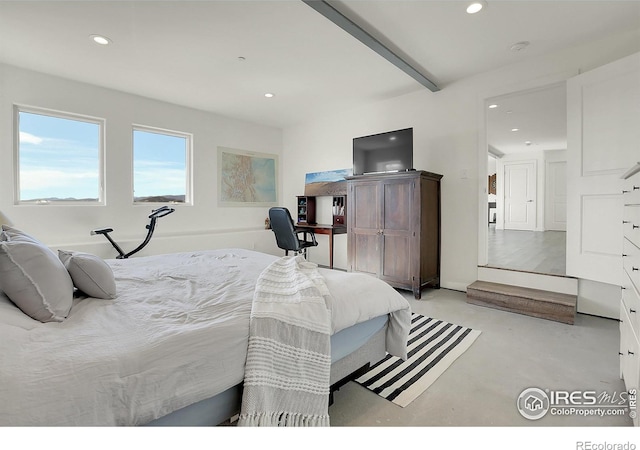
(514, 352)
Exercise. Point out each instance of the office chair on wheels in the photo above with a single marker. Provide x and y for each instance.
(287, 237)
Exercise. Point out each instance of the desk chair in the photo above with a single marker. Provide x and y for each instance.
(287, 237)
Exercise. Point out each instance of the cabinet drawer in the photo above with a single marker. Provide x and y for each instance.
(631, 191)
(631, 303)
(629, 356)
(631, 261)
(631, 223)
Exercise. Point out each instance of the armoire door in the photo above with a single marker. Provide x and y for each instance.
(363, 217)
(397, 204)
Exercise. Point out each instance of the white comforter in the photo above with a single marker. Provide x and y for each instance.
(176, 334)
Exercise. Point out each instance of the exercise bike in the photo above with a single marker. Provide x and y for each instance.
(154, 216)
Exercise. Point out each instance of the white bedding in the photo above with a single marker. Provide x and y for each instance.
(176, 334)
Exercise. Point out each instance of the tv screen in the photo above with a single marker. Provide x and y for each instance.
(385, 152)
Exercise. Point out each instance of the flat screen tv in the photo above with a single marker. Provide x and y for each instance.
(385, 152)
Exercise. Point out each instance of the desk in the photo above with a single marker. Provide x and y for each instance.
(329, 230)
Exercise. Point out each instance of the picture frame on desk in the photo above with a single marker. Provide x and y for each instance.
(330, 182)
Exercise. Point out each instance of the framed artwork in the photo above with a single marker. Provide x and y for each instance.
(247, 178)
(492, 184)
(331, 182)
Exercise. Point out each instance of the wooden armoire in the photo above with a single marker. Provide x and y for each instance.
(393, 228)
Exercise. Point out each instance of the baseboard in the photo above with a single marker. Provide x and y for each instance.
(552, 283)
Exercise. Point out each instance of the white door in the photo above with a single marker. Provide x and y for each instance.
(555, 215)
(520, 196)
(603, 117)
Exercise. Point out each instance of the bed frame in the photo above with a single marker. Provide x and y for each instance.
(222, 407)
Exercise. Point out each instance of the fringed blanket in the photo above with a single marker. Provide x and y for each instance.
(288, 365)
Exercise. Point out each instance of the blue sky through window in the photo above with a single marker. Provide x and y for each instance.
(59, 158)
(159, 165)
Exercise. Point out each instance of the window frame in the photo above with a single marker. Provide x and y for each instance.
(188, 194)
(101, 122)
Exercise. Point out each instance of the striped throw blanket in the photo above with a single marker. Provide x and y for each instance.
(286, 380)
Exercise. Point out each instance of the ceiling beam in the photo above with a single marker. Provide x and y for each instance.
(354, 30)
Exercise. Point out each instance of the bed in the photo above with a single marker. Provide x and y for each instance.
(170, 348)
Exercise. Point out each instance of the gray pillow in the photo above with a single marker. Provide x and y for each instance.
(90, 274)
(34, 279)
(13, 234)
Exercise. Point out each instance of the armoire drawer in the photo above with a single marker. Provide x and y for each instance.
(631, 303)
(631, 223)
(631, 261)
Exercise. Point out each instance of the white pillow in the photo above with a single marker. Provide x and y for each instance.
(34, 279)
(90, 274)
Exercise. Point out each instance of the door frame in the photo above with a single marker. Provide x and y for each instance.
(483, 148)
(534, 175)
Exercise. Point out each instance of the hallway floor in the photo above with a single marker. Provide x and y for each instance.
(529, 251)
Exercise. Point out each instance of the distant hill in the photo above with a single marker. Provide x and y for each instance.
(58, 199)
(160, 199)
(149, 199)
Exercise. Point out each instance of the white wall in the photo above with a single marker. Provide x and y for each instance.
(555, 214)
(203, 225)
(449, 136)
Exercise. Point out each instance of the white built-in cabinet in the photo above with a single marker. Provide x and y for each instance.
(630, 302)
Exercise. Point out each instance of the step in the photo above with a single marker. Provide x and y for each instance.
(547, 282)
(531, 302)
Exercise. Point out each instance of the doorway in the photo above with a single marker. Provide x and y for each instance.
(526, 141)
(520, 195)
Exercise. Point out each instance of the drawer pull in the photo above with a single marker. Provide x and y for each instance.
(635, 269)
(623, 255)
(620, 353)
(633, 227)
(636, 188)
(625, 221)
(630, 352)
(632, 310)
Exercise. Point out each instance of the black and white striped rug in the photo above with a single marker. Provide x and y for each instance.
(433, 346)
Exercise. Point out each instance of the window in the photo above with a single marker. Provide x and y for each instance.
(161, 165)
(59, 157)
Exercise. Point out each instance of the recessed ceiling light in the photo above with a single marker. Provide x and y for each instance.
(518, 46)
(527, 142)
(268, 95)
(493, 106)
(98, 39)
(475, 7)
(515, 129)
(392, 138)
